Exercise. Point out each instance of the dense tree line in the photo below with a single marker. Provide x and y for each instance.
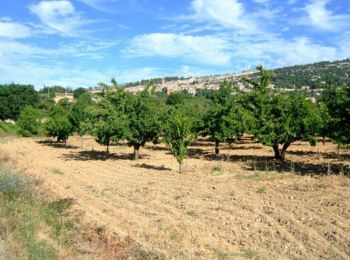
(14, 98)
(276, 119)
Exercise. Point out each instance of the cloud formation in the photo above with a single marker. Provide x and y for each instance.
(205, 49)
(59, 15)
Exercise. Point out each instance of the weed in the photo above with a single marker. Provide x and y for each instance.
(261, 190)
(232, 193)
(57, 171)
(143, 254)
(222, 255)
(191, 213)
(216, 169)
(24, 215)
(247, 253)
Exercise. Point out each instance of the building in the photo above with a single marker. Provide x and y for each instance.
(60, 96)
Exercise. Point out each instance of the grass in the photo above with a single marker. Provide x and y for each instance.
(232, 193)
(143, 254)
(8, 129)
(261, 190)
(216, 169)
(247, 253)
(191, 213)
(32, 227)
(57, 171)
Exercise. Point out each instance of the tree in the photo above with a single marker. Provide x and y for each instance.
(79, 115)
(29, 121)
(288, 118)
(144, 116)
(106, 123)
(78, 92)
(225, 119)
(281, 119)
(337, 101)
(58, 124)
(14, 97)
(178, 135)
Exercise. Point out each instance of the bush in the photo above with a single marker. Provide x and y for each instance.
(29, 121)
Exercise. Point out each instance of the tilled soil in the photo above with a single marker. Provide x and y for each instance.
(240, 204)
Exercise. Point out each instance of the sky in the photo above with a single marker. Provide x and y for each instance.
(79, 43)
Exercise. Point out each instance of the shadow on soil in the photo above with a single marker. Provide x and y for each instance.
(98, 156)
(152, 167)
(56, 145)
(268, 163)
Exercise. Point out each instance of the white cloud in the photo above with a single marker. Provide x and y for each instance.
(14, 30)
(227, 13)
(322, 18)
(206, 49)
(59, 15)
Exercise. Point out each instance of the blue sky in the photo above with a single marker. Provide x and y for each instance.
(82, 42)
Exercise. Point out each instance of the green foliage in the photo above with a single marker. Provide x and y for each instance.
(58, 124)
(106, 123)
(78, 92)
(226, 119)
(178, 135)
(281, 119)
(7, 129)
(79, 115)
(29, 121)
(14, 97)
(178, 99)
(144, 114)
(49, 92)
(337, 102)
(317, 75)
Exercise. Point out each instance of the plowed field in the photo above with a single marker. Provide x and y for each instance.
(240, 204)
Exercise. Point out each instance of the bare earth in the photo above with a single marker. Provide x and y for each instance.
(227, 207)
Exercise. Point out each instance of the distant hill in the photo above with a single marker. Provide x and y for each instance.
(314, 75)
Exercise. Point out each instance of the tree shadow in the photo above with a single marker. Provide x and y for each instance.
(96, 156)
(328, 155)
(196, 153)
(152, 167)
(269, 164)
(240, 147)
(202, 144)
(156, 148)
(301, 168)
(56, 145)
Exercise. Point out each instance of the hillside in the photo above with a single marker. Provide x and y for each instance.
(314, 75)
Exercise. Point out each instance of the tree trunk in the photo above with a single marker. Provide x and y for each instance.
(323, 140)
(136, 152)
(284, 149)
(65, 142)
(180, 167)
(81, 141)
(217, 149)
(107, 149)
(277, 152)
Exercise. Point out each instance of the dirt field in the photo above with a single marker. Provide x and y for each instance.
(237, 205)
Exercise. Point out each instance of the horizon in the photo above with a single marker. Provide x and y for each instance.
(78, 43)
